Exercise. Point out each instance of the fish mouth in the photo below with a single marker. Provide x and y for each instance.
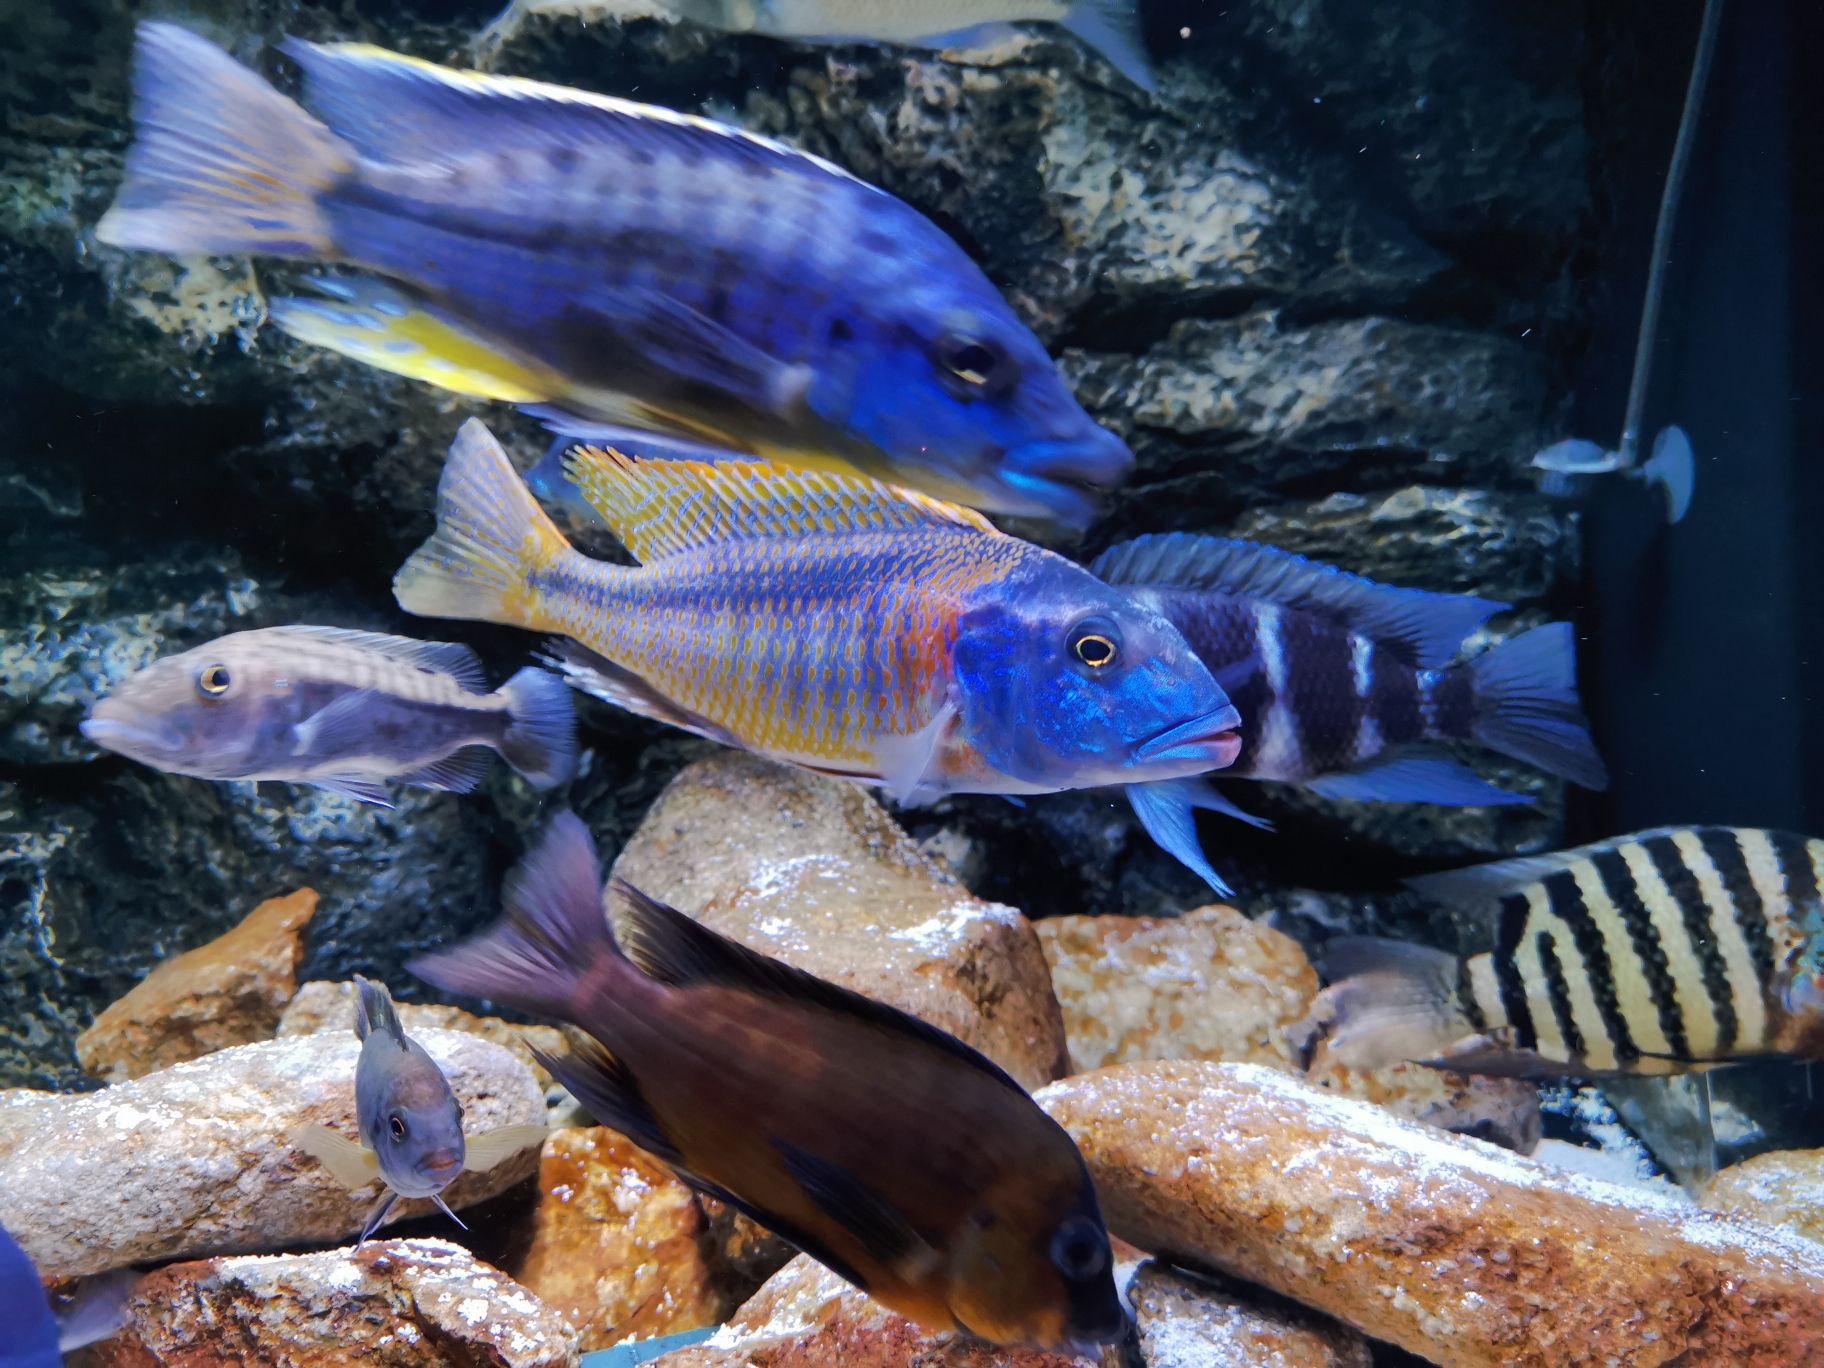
(125, 738)
(1064, 480)
(1211, 741)
(442, 1163)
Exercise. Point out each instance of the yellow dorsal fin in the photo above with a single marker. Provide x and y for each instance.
(663, 508)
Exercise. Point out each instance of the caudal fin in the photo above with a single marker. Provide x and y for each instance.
(540, 741)
(1390, 1002)
(1112, 28)
(554, 931)
(490, 535)
(220, 162)
(1527, 705)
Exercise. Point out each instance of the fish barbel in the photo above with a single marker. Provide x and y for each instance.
(612, 267)
(888, 1150)
(832, 622)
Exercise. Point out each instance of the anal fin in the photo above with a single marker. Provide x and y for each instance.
(458, 772)
(1416, 779)
(605, 1085)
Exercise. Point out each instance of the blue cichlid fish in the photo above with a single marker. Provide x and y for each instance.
(28, 1330)
(1111, 27)
(611, 266)
(1668, 950)
(886, 1149)
(1346, 685)
(343, 710)
(410, 1121)
(832, 622)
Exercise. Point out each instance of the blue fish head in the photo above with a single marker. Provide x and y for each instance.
(1066, 682)
(963, 402)
(408, 1115)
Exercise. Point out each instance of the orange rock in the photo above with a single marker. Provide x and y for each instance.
(227, 992)
(397, 1303)
(812, 871)
(1455, 1250)
(625, 1249)
(1783, 1188)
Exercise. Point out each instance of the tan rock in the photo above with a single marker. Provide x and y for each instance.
(196, 1160)
(1215, 985)
(625, 1249)
(227, 992)
(807, 1317)
(1784, 1188)
(1450, 1248)
(397, 1303)
(1183, 1321)
(325, 1005)
(813, 872)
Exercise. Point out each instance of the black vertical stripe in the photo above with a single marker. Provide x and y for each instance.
(1800, 880)
(1725, 852)
(1393, 702)
(1514, 916)
(1558, 993)
(1224, 633)
(1320, 689)
(1682, 885)
(1453, 704)
(1466, 995)
(1618, 885)
(1567, 904)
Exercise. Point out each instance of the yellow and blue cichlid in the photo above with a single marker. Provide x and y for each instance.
(613, 267)
(886, 1149)
(832, 622)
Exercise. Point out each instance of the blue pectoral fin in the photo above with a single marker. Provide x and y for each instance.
(1416, 779)
(1168, 812)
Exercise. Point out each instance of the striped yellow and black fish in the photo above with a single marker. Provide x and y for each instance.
(1669, 950)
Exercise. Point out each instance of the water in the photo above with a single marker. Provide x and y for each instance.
(1335, 284)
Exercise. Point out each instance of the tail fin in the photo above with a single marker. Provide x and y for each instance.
(1390, 1002)
(1527, 705)
(1673, 469)
(556, 928)
(374, 1011)
(220, 162)
(1112, 28)
(490, 534)
(540, 741)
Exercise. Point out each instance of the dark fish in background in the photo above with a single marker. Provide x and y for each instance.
(1344, 685)
(411, 1123)
(1111, 27)
(1649, 954)
(886, 1149)
(613, 267)
(347, 711)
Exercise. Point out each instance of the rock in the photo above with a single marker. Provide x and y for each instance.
(227, 992)
(1210, 984)
(1451, 1249)
(1215, 985)
(813, 872)
(196, 1159)
(807, 1317)
(399, 1303)
(1186, 1321)
(1783, 1188)
(624, 1249)
(321, 1005)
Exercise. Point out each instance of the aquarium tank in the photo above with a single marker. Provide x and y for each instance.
(875, 683)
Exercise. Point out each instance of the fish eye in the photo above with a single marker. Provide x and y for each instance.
(972, 366)
(214, 680)
(1096, 643)
(396, 1124)
(1079, 1249)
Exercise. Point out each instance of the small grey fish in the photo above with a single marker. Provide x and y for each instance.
(411, 1123)
(343, 710)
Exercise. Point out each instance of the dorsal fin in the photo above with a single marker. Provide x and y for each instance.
(1483, 884)
(672, 948)
(1425, 628)
(400, 109)
(374, 1011)
(450, 658)
(663, 508)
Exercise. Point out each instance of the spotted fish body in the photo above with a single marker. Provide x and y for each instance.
(834, 623)
(1654, 953)
(612, 267)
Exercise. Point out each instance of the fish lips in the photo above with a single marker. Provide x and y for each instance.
(1211, 742)
(443, 1164)
(131, 739)
(1063, 480)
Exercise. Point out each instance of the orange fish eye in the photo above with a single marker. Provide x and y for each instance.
(214, 680)
(1094, 650)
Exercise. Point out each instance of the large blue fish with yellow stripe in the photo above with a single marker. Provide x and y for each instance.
(610, 266)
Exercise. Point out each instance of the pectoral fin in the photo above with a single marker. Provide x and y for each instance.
(350, 1163)
(491, 1148)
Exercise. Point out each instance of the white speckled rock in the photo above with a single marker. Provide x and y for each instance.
(194, 1159)
(1784, 1188)
(1185, 1321)
(814, 872)
(397, 1303)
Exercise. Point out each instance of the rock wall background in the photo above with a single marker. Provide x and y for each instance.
(1332, 284)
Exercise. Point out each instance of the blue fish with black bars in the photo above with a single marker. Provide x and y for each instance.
(1346, 686)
